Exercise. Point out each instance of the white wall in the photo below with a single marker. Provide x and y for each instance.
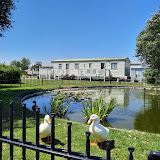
(122, 69)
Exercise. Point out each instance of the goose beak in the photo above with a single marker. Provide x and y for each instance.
(49, 121)
(89, 121)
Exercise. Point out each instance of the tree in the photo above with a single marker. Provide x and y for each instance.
(22, 65)
(16, 64)
(151, 76)
(36, 66)
(6, 6)
(148, 43)
(25, 62)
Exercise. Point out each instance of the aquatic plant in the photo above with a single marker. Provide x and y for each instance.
(99, 107)
(46, 111)
(59, 106)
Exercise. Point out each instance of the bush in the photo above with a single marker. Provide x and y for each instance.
(99, 107)
(151, 76)
(59, 107)
(66, 77)
(9, 75)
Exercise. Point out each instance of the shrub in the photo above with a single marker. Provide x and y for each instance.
(151, 76)
(99, 107)
(59, 106)
(9, 74)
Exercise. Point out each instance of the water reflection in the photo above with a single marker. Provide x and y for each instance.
(148, 118)
(134, 109)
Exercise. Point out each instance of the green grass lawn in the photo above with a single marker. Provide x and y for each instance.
(143, 142)
(60, 83)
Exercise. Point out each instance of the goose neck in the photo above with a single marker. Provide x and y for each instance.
(95, 122)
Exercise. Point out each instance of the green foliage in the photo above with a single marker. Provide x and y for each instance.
(25, 62)
(8, 74)
(99, 107)
(152, 76)
(16, 64)
(36, 65)
(59, 106)
(148, 42)
(5, 15)
(22, 65)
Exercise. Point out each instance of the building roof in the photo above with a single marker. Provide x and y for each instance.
(90, 59)
(137, 64)
(46, 66)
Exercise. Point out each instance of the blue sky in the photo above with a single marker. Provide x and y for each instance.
(65, 29)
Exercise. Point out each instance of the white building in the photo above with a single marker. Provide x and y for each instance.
(46, 72)
(136, 70)
(98, 68)
(32, 72)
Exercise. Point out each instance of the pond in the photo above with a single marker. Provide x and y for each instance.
(134, 109)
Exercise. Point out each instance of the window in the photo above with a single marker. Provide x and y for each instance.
(67, 66)
(102, 65)
(88, 71)
(90, 65)
(114, 66)
(60, 66)
(76, 66)
(93, 71)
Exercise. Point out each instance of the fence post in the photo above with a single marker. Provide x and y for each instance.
(37, 131)
(69, 138)
(87, 144)
(24, 130)
(11, 129)
(110, 146)
(42, 81)
(130, 149)
(0, 129)
(52, 133)
(108, 150)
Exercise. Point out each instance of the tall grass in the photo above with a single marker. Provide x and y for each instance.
(99, 107)
(59, 106)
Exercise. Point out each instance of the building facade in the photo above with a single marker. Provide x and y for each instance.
(96, 68)
(136, 70)
(46, 72)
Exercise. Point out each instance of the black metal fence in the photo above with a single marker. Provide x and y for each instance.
(68, 154)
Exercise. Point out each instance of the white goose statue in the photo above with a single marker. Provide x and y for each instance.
(45, 128)
(99, 132)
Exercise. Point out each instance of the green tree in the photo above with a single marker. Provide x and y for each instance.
(36, 66)
(22, 65)
(148, 43)
(152, 76)
(16, 64)
(6, 6)
(25, 62)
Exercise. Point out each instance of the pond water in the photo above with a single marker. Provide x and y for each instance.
(134, 109)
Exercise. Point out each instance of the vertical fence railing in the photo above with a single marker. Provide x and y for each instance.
(131, 150)
(24, 130)
(69, 138)
(52, 133)
(87, 144)
(1, 128)
(37, 131)
(11, 129)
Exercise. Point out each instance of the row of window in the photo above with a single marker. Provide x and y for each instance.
(76, 66)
